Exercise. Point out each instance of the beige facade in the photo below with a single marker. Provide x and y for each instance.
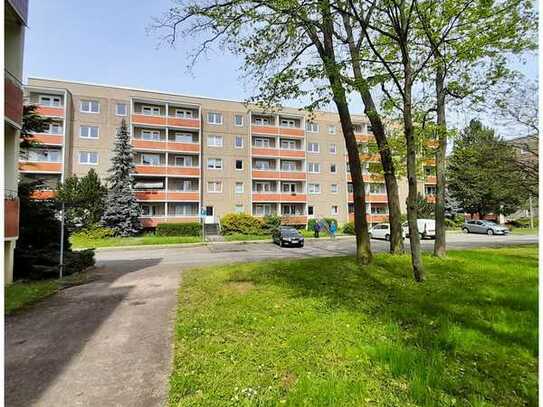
(198, 155)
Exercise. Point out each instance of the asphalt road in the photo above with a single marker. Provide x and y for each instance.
(109, 342)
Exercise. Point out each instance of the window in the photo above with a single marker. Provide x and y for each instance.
(238, 120)
(121, 109)
(369, 129)
(182, 185)
(333, 188)
(288, 123)
(53, 128)
(262, 186)
(310, 210)
(262, 142)
(333, 149)
(288, 187)
(262, 165)
(150, 159)
(182, 137)
(238, 142)
(334, 210)
(214, 141)
(214, 186)
(350, 187)
(239, 164)
(377, 188)
(90, 106)
(183, 113)
(313, 147)
(239, 188)
(332, 129)
(291, 210)
(183, 161)
(262, 121)
(430, 189)
(333, 168)
(42, 154)
(214, 118)
(150, 110)
(214, 163)
(53, 101)
(183, 209)
(379, 210)
(88, 157)
(288, 166)
(288, 145)
(313, 167)
(348, 167)
(262, 210)
(313, 188)
(430, 171)
(151, 210)
(149, 184)
(88, 131)
(150, 135)
(238, 209)
(312, 127)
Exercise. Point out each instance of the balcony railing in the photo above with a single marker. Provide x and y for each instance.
(153, 221)
(13, 99)
(430, 179)
(11, 215)
(50, 111)
(274, 174)
(376, 198)
(167, 170)
(279, 197)
(171, 121)
(162, 195)
(40, 166)
(48, 139)
(166, 145)
(277, 152)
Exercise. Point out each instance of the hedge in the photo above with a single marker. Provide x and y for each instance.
(241, 223)
(179, 229)
(348, 228)
(311, 222)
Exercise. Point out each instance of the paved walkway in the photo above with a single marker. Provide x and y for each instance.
(109, 342)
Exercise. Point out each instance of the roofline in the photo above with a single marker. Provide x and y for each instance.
(160, 91)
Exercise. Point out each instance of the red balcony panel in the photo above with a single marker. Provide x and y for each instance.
(184, 147)
(151, 222)
(370, 157)
(293, 220)
(50, 111)
(148, 144)
(164, 170)
(289, 131)
(378, 218)
(265, 152)
(186, 123)
(152, 120)
(292, 153)
(13, 101)
(286, 175)
(150, 170)
(42, 195)
(183, 196)
(432, 143)
(431, 179)
(40, 167)
(430, 162)
(364, 138)
(151, 195)
(373, 178)
(293, 198)
(266, 174)
(264, 130)
(296, 175)
(431, 198)
(48, 139)
(11, 218)
(187, 171)
(378, 198)
(268, 197)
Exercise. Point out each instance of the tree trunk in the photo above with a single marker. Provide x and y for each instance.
(414, 238)
(440, 249)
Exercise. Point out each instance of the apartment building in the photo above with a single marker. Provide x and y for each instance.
(198, 156)
(15, 17)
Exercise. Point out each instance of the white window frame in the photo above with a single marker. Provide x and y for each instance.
(214, 115)
(242, 120)
(314, 168)
(178, 133)
(291, 144)
(291, 166)
(52, 100)
(313, 188)
(183, 113)
(236, 138)
(264, 141)
(187, 161)
(214, 166)
(150, 154)
(312, 127)
(334, 188)
(152, 133)
(152, 209)
(90, 102)
(311, 148)
(88, 154)
(256, 166)
(45, 152)
(334, 212)
(262, 121)
(241, 190)
(382, 190)
(433, 187)
(333, 148)
(291, 187)
(155, 110)
(50, 126)
(266, 186)
(332, 129)
(215, 183)
(88, 137)
(216, 138)
(117, 109)
(288, 123)
(266, 209)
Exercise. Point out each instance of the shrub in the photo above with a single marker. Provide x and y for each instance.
(348, 228)
(179, 229)
(241, 223)
(311, 222)
(522, 223)
(271, 223)
(94, 232)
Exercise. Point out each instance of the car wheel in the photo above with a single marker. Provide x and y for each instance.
(387, 237)
(490, 232)
(281, 244)
(301, 245)
(465, 230)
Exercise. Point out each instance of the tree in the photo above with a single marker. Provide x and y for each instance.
(122, 211)
(425, 209)
(84, 199)
(289, 48)
(483, 177)
(32, 123)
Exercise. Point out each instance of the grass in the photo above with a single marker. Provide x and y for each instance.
(22, 294)
(325, 332)
(242, 237)
(525, 231)
(84, 243)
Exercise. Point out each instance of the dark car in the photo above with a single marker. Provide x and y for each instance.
(288, 236)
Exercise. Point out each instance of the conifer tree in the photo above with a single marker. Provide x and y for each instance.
(122, 210)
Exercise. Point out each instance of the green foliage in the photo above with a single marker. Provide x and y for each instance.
(348, 228)
(425, 209)
(241, 223)
(179, 229)
(523, 223)
(271, 222)
(311, 223)
(94, 232)
(32, 123)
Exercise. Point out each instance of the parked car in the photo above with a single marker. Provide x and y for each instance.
(380, 231)
(484, 226)
(288, 236)
(426, 227)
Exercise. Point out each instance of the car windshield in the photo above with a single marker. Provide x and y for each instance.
(289, 232)
(487, 223)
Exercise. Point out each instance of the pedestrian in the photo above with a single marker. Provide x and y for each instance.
(317, 229)
(333, 229)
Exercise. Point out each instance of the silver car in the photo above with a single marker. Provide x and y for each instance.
(484, 226)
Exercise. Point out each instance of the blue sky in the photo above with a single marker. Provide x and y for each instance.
(106, 42)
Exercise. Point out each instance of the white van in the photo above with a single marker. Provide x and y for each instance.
(426, 227)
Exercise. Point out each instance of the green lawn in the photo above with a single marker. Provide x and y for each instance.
(324, 332)
(525, 231)
(241, 237)
(83, 243)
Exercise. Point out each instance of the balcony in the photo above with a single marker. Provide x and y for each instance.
(13, 99)
(293, 220)
(192, 196)
(430, 179)
(153, 221)
(11, 216)
(50, 111)
(372, 218)
(365, 138)
(165, 121)
(370, 157)
(277, 152)
(166, 145)
(42, 195)
(374, 198)
(48, 139)
(35, 166)
(291, 132)
(284, 175)
(431, 198)
(167, 170)
(279, 197)
(368, 177)
(266, 130)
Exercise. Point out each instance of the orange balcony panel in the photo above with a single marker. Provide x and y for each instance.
(430, 162)
(265, 130)
(364, 138)
(184, 147)
(152, 222)
(432, 143)
(270, 197)
(11, 218)
(50, 111)
(374, 178)
(370, 157)
(293, 198)
(40, 167)
(293, 220)
(152, 120)
(266, 174)
(13, 101)
(148, 144)
(289, 131)
(377, 198)
(292, 153)
(265, 152)
(187, 171)
(151, 196)
(187, 123)
(183, 196)
(431, 179)
(42, 195)
(296, 175)
(378, 218)
(151, 170)
(431, 198)
(49, 139)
